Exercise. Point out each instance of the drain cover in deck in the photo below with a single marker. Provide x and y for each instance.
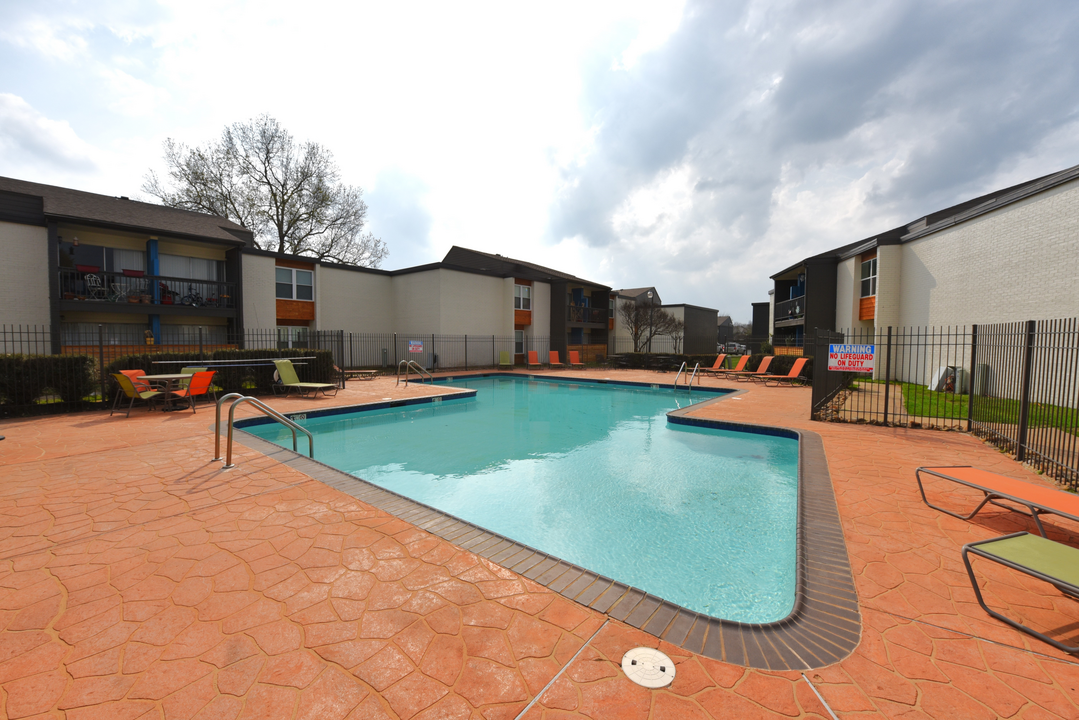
(648, 667)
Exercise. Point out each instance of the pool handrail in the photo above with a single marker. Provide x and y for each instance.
(680, 371)
(696, 369)
(266, 410)
(420, 370)
(217, 422)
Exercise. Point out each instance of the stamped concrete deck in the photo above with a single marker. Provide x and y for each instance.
(138, 579)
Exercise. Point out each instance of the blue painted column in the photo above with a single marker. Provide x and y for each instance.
(153, 264)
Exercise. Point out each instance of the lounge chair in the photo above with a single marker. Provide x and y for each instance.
(790, 378)
(553, 359)
(746, 375)
(575, 359)
(128, 389)
(737, 368)
(717, 366)
(533, 359)
(1036, 499)
(1038, 557)
(505, 360)
(290, 381)
(198, 385)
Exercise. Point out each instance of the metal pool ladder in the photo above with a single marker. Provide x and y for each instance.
(266, 410)
(685, 368)
(420, 370)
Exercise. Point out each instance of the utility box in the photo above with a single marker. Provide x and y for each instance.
(385, 357)
(981, 379)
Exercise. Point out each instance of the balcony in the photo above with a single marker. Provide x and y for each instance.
(790, 312)
(88, 288)
(589, 315)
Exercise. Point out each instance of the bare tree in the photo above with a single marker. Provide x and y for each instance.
(289, 195)
(677, 331)
(644, 322)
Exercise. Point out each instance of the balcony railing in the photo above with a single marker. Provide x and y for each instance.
(576, 313)
(791, 309)
(133, 286)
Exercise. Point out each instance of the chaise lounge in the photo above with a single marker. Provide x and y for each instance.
(717, 366)
(291, 381)
(1036, 499)
(533, 359)
(792, 377)
(737, 368)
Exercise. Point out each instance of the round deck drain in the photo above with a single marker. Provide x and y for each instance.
(648, 667)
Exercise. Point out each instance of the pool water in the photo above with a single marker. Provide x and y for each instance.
(593, 474)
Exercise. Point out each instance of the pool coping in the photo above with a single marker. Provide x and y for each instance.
(823, 627)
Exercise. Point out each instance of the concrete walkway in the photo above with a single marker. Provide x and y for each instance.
(139, 580)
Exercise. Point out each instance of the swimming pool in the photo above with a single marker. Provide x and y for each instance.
(596, 475)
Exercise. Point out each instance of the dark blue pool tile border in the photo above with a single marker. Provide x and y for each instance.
(823, 627)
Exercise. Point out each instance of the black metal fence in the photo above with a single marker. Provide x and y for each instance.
(1015, 384)
(435, 351)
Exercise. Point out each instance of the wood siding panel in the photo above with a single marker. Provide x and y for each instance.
(295, 309)
(867, 308)
(280, 262)
(522, 318)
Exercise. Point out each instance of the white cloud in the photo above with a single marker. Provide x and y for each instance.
(31, 143)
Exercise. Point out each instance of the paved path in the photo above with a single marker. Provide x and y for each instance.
(138, 580)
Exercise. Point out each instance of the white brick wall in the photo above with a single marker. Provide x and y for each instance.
(1017, 263)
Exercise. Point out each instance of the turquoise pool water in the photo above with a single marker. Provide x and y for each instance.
(593, 474)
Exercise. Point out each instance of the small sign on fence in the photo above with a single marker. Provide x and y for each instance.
(415, 346)
(851, 358)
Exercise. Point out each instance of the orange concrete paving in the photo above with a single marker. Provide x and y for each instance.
(138, 580)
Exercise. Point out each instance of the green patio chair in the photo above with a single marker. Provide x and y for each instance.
(1035, 556)
(127, 388)
(505, 359)
(291, 381)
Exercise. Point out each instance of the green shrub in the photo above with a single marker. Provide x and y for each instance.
(25, 378)
(766, 348)
(71, 376)
(21, 379)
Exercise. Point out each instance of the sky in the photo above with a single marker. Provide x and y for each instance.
(697, 147)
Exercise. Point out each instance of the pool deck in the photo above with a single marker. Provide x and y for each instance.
(139, 580)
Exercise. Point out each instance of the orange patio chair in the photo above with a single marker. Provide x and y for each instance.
(199, 385)
(737, 368)
(133, 376)
(717, 366)
(762, 369)
(575, 359)
(790, 378)
(553, 359)
(533, 359)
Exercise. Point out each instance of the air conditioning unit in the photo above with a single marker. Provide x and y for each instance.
(981, 379)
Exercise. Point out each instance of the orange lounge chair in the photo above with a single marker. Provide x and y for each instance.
(533, 359)
(717, 366)
(741, 366)
(1036, 499)
(790, 378)
(575, 359)
(552, 359)
(762, 369)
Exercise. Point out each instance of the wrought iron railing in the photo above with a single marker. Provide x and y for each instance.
(791, 309)
(576, 313)
(133, 286)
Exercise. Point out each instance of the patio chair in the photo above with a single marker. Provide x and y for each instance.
(128, 389)
(505, 359)
(575, 359)
(291, 381)
(133, 376)
(717, 366)
(1036, 499)
(1035, 556)
(199, 384)
(553, 359)
(737, 368)
(746, 375)
(95, 288)
(789, 379)
(533, 359)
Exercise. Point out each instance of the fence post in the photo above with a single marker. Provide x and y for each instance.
(1024, 398)
(432, 349)
(970, 381)
(492, 350)
(466, 352)
(395, 349)
(101, 359)
(201, 358)
(887, 373)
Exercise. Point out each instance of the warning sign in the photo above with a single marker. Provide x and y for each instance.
(415, 346)
(851, 358)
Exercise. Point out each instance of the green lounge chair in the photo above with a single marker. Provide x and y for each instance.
(1035, 556)
(505, 359)
(128, 389)
(290, 381)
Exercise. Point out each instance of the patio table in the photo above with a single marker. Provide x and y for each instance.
(170, 380)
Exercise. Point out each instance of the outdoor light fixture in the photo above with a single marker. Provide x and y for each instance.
(75, 241)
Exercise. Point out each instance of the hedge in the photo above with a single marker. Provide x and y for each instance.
(25, 378)
(248, 380)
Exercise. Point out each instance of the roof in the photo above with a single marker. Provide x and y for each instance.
(75, 205)
(501, 266)
(635, 292)
(724, 319)
(947, 217)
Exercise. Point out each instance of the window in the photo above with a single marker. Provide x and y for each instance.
(522, 297)
(293, 284)
(519, 341)
(869, 278)
(292, 337)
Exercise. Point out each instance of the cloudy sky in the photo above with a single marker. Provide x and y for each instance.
(697, 147)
